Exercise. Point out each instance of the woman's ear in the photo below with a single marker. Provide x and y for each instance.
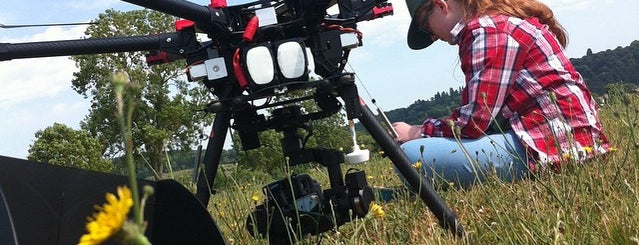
(441, 4)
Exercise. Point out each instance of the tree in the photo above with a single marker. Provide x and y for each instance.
(164, 118)
(63, 146)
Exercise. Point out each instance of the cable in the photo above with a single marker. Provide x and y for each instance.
(44, 25)
(360, 81)
(385, 120)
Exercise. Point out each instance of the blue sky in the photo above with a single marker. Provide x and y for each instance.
(37, 92)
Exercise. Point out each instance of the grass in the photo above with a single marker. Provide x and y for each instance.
(593, 203)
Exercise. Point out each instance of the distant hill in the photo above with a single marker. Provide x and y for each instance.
(442, 104)
(611, 66)
(598, 69)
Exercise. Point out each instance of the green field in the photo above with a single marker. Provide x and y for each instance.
(593, 203)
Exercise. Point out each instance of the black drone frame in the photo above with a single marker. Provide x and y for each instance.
(233, 100)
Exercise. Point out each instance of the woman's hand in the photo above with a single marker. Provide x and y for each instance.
(406, 132)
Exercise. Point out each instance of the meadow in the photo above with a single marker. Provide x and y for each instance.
(592, 203)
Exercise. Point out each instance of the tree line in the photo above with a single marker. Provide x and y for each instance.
(619, 65)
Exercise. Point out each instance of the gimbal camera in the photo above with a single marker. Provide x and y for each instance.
(260, 50)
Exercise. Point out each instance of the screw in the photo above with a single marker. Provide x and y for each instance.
(181, 51)
(168, 39)
(216, 68)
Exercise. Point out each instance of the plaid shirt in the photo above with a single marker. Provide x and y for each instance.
(517, 71)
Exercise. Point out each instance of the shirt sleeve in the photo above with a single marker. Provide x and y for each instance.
(489, 60)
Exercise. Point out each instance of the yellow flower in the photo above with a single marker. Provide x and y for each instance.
(377, 211)
(110, 218)
(417, 165)
(255, 198)
(588, 150)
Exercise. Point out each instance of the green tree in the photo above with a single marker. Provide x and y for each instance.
(164, 118)
(63, 146)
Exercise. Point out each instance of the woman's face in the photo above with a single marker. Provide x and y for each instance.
(438, 18)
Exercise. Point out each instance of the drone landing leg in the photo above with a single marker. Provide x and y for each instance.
(212, 156)
(356, 108)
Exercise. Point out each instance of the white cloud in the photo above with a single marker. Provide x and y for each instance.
(28, 79)
(52, 33)
(37, 92)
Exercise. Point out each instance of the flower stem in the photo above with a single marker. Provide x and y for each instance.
(128, 144)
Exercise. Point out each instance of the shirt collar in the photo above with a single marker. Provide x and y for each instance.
(457, 29)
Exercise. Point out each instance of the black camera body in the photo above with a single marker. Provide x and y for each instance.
(296, 206)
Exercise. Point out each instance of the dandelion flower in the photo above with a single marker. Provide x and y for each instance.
(110, 218)
(417, 165)
(377, 211)
(255, 198)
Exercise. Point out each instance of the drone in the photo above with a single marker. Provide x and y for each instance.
(255, 50)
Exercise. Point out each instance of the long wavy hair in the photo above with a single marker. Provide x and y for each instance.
(517, 8)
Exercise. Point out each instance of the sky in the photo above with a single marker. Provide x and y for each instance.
(36, 92)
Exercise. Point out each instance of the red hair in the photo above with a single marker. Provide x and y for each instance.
(517, 8)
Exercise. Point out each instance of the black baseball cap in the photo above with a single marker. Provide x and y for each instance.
(417, 38)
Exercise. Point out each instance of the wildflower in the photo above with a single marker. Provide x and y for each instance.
(567, 156)
(148, 190)
(417, 165)
(612, 149)
(369, 177)
(255, 198)
(588, 150)
(377, 211)
(110, 218)
(451, 124)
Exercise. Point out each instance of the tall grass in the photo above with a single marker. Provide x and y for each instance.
(592, 203)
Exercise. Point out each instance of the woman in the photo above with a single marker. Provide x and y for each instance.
(524, 105)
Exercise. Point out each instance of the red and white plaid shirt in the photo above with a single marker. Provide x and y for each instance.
(516, 70)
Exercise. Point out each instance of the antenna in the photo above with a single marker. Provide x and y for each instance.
(358, 155)
(47, 24)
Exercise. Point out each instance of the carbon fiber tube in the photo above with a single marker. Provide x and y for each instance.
(212, 156)
(447, 218)
(180, 8)
(81, 46)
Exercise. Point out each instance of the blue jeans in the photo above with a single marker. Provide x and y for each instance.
(468, 161)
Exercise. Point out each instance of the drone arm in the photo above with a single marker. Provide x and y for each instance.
(180, 8)
(10, 51)
(212, 21)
